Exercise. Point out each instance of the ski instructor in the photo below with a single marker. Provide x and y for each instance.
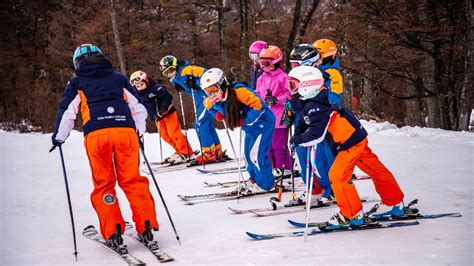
(111, 117)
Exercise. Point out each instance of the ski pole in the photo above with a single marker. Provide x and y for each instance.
(68, 198)
(159, 192)
(158, 128)
(241, 177)
(198, 130)
(293, 194)
(309, 189)
(184, 121)
(285, 146)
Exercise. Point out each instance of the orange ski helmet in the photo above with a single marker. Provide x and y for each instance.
(269, 57)
(326, 48)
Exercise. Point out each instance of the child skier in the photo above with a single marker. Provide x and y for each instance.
(321, 156)
(255, 70)
(184, 76)
(159, 104)
(111, 116)
(329, 63)
(240, 106)
(272, 86)
(307, 55)
(321, 120)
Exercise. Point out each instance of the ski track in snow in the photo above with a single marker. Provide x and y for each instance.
(433, 165)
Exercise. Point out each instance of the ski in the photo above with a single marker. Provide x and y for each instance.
(387, 219)
(91, 233)
(176, 167)
(290, 209)
(224, 196)
(325, 230)
(151, 246)
(226, 170)
(221, 184)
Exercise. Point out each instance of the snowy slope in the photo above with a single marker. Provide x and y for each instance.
(433, 165)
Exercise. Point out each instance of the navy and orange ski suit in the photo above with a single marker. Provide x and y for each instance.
(159, 104)
(111, 116)
(319, 120)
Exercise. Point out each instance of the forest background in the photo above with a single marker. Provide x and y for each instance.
(406, 62)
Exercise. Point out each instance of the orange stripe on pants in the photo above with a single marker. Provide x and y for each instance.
(113, 157)
(345, 192)
(170, 131)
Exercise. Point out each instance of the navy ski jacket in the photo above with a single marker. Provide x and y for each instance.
(157, 100)
(104, 97)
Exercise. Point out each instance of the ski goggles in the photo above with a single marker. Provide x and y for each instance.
(254, 57)
(295, 63)
(170, 72)
(135, 81)
(211, 90)
(293, 85)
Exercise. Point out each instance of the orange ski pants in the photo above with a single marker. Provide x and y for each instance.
(170, 131)
(113, 157)
(344, 190)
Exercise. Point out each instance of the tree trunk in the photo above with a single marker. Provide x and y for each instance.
(243, 34)
(304, 23)
(293, 31)
(222, 42)
(118, 44)
(467, 92)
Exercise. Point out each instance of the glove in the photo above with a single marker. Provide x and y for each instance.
(55, 142)
(141, 141)
(294, 141)
(219, 116)
(270, 100)
(158, 116)
(288, 115)
(241, 122)
(190, 83)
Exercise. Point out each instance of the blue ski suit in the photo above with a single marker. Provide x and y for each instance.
(258, 123)
(187, 78)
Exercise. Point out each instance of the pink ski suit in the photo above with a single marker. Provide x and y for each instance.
(277, 81)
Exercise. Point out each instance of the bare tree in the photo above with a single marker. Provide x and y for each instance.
(293, 31)
(118, 44)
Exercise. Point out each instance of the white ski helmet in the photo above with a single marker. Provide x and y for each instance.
(306, 81)
(211, 82)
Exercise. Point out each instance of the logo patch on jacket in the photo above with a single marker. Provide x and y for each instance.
(109, 199)
(306, 119)
(110, 110)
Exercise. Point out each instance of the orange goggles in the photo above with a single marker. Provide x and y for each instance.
(213, 89)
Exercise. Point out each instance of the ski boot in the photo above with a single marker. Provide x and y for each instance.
(252, 188)
(222, 155)
(116, 241)
(171, 158)
(147, 236)
(179, 159)
(338, 221)
(381, 210)
(205, 158)
(301, 200)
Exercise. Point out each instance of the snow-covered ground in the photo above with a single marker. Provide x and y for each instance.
(433, 165)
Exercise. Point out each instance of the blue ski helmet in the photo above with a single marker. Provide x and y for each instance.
(83, 51)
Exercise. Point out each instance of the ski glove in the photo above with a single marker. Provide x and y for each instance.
(190, 83)
(288, 115)
(294, 141)
(270, 100)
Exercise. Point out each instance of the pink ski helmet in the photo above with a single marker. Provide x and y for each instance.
(255, 49)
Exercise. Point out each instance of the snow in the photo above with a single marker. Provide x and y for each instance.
(433, 165)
